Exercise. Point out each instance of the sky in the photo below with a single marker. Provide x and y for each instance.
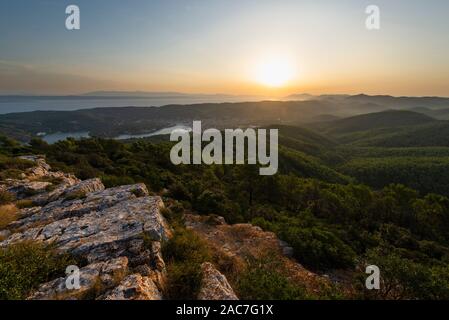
(260, 47)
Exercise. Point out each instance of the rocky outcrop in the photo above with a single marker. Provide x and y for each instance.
(98, 235)
(239, 243)
(214, 285)
(94, 278)
(38, 183)
(134, 287)
(117, 231)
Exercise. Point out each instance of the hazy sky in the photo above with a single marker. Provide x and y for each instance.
(213, 46)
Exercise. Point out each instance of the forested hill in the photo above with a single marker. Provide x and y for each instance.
(111, 122)
(334, 224)
(385, 119)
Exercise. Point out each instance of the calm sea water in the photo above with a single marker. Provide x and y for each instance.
(26, 104)
(55, 137)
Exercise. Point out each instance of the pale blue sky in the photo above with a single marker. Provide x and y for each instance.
(216, 46)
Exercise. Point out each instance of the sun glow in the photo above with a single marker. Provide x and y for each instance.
(274, 72)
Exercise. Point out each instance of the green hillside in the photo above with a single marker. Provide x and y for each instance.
(434, 134)
(370, 121)
(330, 221)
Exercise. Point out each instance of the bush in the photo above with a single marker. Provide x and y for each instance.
(264, 280)
(319, 249)
(184, 281)
(8, 214)
(25, 203)
(25, 265)
(114, 181)
(75, 195)
(211, 202)
(403, 278)
(7, 163)
(178, 191)
(314, 246)
(174, 214)
(6, 197)
(185, 245)
(184, 254)
(10, 174)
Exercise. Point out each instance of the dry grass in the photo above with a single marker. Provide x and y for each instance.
(25, 203)
(8, 214)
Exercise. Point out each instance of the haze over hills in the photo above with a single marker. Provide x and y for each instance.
(107, 99)
(163, 94)
(343, 105)
(114, 121)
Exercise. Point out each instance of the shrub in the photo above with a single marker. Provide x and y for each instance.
(315, 247)
(114, 181)
(10, 174)
(174, 215)
(211, 202)
(25, 265)
(264, 280)
(184, 280)
(178, 191)
(185, 245)
(7, 163)
(184, 254)
(8, 214)
(6, 197)
(25, 203)
(319, 249)
(51, 179)
(75, 195)
(403, 278)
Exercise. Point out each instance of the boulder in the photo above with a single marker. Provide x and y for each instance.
(95, 201)
(214, 285)
(134, 287)
(41, 169)
(83, 188)
(100, 235)
(94, 279)
(24, 189)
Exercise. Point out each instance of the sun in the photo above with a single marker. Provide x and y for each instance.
(274, 72)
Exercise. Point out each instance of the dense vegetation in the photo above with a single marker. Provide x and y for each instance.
(339, 205)
(25, 266)
(331, 221)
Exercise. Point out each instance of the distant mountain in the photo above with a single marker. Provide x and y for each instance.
(149, 94)
(440, 114)
(388, 129)
(301, 97)
(384, 101)
(110, 122)
(355, 114)
(131, 94)
(324, 118)
(385, 119)
(401, 102)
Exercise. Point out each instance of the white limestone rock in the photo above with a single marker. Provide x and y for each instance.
(214, 285)
(94, 278)
(134, 287)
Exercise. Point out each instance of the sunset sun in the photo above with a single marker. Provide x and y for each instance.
(275, 72)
